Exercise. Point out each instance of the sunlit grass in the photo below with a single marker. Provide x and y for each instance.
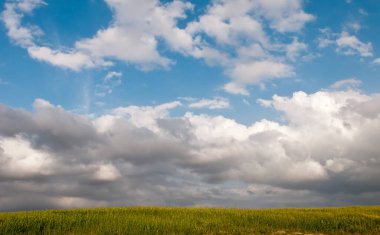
(155, 220)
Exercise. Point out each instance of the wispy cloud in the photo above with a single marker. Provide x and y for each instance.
(108, 83)
(345, 43)
(216, 103)
(347, 83)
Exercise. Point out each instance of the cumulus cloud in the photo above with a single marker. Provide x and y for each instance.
(229, 34)
(255, 73)
(224, 16)
(146, 116)
(285, 15)
(132, 37)
(324, 152)
(229, 23)
(242, 27)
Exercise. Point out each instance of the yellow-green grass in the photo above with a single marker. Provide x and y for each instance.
(157, 220)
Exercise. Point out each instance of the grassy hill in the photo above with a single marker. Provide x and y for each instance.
(155, 220)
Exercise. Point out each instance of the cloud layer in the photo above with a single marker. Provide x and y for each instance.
(324, 152)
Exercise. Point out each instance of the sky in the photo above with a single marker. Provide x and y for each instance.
(220, 103)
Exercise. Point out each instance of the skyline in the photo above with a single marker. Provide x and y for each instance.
(247, 103)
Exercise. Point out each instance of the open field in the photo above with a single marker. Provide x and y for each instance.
(155, 220)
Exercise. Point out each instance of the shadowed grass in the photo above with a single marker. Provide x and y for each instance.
(156, 220)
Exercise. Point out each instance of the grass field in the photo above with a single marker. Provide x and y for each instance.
(154, 220)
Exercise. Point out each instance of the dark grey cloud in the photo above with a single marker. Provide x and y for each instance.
(326, 154)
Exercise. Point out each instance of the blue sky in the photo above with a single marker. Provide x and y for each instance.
(197, 74)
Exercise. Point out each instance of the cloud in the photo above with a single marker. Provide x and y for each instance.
(363, 12)
(347, 83)
(285, 15)
(25, 36)
(12, 16)
(345, 43)
(294, 49)
(217, 103)
(132, 37)
(228, 24)
(146, 116)
(229, 34)
(72, 60)
(353, 26)
(240, 30)
(351, 45)
(20, 160)
(108, 83)
(111, 75)
(376, 61)
(324, 151)
(255, 73)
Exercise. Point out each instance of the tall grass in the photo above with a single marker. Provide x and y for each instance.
(155, 220)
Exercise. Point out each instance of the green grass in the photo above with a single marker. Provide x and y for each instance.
(155, 220)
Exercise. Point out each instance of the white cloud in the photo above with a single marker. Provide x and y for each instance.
(286, 15)
(236, 88)
(20, 160)
(12, 16)
(111, 75)
(351, 45)
(217, 103)
(133, 36)
(283, 16)
(230, 34)
(72, 60)
(240, 26)
(252, 52)
(146, 116)
(227, 28)
(107, 172)
(345, 43)
(353, 26)
(254, 73)
(294, 49)
(26, 37)
(326, 39)
(377, 61)
(28, 6)
(124, 45)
